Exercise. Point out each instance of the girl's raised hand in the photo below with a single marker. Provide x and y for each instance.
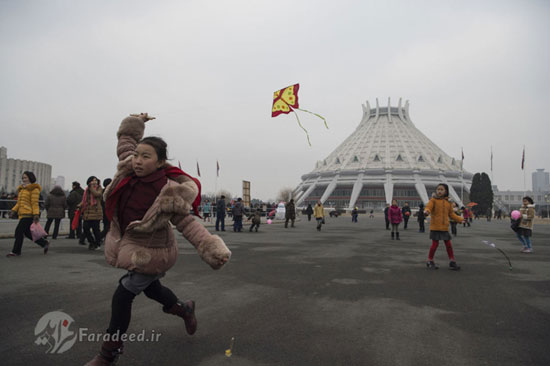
(144, 116)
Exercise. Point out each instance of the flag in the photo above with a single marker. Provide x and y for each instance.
(523, 159)
(217, 169)
(198, 169)
(179, 164)
(491, 158)
(462, 154)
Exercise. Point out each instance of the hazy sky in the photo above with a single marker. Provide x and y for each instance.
(476, 74)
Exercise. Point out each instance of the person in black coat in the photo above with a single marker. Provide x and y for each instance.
(309, 211)
(386, 216)
(220, 213)
(73, 200)
(406, 211)
(421, 218)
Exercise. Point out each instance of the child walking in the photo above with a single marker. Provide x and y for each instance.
(146, 196)
(441, 209)
(525, 229)
(395, 217)
(354, 214)
(421, 217)
(456, 210)
(256, 217)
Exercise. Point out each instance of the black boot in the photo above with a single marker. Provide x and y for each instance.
(186, 311)
(392, 235)
(431, 265)
(397, 236)
(453, 266)
(108, 354)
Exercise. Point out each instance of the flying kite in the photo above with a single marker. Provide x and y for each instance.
(286, 101)
(500, 250)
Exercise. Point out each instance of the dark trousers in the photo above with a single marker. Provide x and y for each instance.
(89, 226)
(254, 225)
(220, 219)
(421, 226)
(387, 224)
(55, 227)
(237, 223)
(291, 222)
(24, 229)
(406, 221)
(121, 305)
(453, 228)
(354, 218)
(308, 217)
(319, 222)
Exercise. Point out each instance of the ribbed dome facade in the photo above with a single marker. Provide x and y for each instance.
(386, 157)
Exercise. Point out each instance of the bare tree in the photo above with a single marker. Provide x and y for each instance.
(223, 192)
(285, 194)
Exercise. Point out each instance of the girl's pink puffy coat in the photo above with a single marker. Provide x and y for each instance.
(149, 245)
(394, 215)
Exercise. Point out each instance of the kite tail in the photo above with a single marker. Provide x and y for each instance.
(504, 254)
(302, 127)
(315, 114)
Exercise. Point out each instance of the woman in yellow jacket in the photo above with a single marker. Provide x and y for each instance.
(441, 209)
(319, 213)
(28, 211)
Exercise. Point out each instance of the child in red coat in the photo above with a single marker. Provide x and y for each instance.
(395, 217)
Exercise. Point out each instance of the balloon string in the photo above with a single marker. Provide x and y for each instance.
(315, 114)
(307, 134)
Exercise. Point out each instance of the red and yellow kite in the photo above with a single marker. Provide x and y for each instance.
(286, 101)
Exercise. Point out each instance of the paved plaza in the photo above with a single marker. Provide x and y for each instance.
(345, 296)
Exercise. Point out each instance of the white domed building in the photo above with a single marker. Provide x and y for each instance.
(385, 158)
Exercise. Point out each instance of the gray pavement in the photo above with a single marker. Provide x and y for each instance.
(345, 296)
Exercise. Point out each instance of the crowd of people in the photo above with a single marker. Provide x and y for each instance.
(148, 197)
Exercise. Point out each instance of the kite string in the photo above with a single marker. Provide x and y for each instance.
(300, 124)
(315, 114)
(510, 263)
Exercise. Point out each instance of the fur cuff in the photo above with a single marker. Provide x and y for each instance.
(132, 126)
(212, 250)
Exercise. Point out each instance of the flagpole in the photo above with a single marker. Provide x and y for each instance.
(523, 167)
(216, 183)
(462, 176)
(492, 182)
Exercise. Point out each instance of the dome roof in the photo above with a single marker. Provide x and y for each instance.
(386, 139)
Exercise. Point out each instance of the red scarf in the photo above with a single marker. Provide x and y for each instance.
(84, 202)
(171, 172)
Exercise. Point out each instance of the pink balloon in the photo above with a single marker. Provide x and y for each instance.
(269, 221)
(515, 214)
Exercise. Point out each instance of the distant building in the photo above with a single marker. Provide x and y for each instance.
(385, 158)
(11, 171)
(541, 181)
(512, 200)
(58, 181)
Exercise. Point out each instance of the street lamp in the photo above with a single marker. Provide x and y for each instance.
(547, 200)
